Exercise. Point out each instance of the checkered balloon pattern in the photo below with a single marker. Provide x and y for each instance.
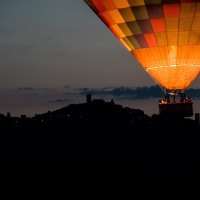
(163, 35)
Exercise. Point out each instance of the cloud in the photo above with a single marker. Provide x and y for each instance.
(25, 89)
(60, 101)
(126, 92)
(34, 90)
(129, 93)
(134, 93)
(194, 93)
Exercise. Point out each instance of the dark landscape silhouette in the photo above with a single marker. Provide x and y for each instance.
(99, 135)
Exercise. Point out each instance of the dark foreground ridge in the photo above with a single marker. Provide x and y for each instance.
(100, 135)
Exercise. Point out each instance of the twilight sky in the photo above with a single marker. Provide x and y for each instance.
(50, 49)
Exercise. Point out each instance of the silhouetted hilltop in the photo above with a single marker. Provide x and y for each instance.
(89, 113)
(101, 135)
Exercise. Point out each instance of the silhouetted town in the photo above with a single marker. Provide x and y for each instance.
(100, 135)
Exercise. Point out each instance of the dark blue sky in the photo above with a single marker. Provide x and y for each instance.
(53, 43)
(56, 46)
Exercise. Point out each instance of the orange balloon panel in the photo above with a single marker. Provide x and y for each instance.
(163, 35)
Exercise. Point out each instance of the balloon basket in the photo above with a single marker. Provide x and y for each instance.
(183, 109)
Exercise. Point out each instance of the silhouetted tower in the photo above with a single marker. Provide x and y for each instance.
(89, 98)
(8, 115)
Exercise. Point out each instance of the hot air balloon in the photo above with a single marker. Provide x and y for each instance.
(164, 37)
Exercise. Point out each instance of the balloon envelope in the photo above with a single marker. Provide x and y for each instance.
(163, 35)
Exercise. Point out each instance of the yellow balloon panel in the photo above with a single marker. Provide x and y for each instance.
(170, 66)
(163, 35)
(174, 77)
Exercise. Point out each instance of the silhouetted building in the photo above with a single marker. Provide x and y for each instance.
(8, 115)
(23, 116)
(89, 98)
